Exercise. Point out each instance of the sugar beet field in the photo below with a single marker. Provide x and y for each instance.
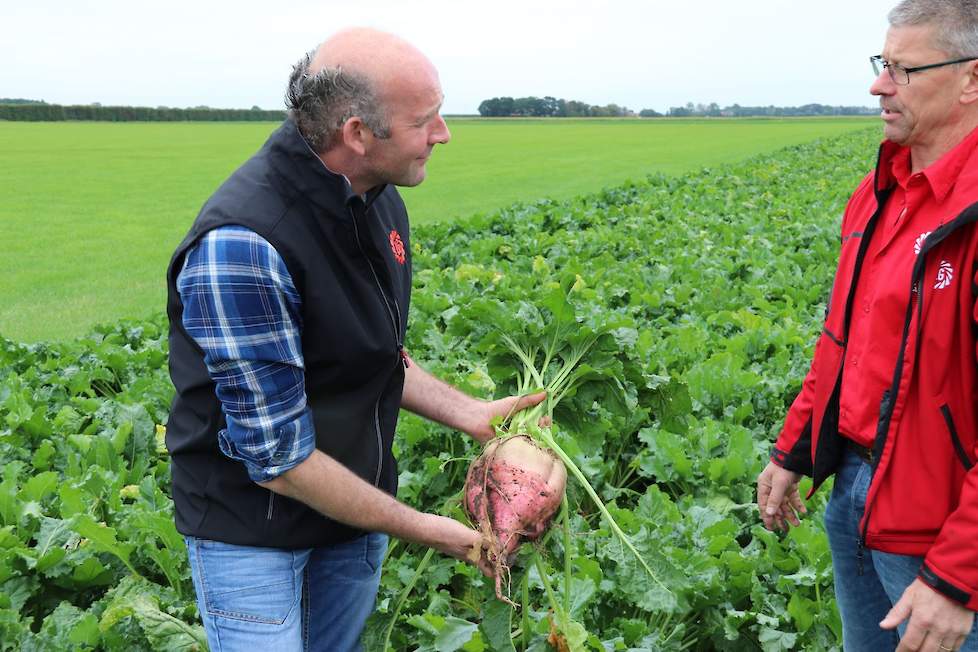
(700, 292)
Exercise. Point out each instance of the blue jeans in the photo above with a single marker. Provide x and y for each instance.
(864, 599)
(272, 599)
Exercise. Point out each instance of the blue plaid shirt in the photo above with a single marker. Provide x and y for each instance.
(241, 308)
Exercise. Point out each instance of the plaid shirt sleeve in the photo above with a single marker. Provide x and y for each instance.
(242, 309)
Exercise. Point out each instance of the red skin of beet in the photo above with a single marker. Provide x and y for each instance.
(512, 492)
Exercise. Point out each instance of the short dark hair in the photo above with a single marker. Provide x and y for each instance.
(322, 102)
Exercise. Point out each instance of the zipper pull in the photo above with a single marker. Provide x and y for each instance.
(860, 551)
(404, 356)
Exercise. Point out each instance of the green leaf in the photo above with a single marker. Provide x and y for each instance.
(10, 504)
(454, 634)
(41, 459)
(68, 628)
(39, 486)
(121, 436)
(85, 631)
(497, 626)
(803, 611)
(18, 407)
(74, 500)
(103, 538)
(51, 540)
(162, 527)
(88, 571)
(166, 633)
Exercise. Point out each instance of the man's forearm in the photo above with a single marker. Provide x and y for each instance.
(434, 399)
(332, 489)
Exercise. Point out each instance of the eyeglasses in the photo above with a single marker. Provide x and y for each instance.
(901, 75)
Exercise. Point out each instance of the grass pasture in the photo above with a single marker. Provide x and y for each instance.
(90, 212)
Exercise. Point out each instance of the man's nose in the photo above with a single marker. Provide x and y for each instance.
(883, 84)
(441, 134)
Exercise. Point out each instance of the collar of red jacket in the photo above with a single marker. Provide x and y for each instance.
(894, 166)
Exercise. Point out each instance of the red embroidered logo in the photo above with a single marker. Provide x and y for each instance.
(397, 247)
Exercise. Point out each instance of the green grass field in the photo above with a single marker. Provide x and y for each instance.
(90, 212)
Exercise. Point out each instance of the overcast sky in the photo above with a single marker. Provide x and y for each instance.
(648, 54)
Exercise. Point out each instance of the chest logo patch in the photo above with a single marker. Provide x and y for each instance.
(945, 274)
(919, 243)
(397, 247)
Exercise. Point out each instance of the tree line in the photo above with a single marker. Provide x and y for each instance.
(547, 106)
(713, 110)
(32, 111)
(19, 109)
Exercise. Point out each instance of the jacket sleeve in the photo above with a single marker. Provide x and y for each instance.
(951, 565)
(242, 309)
(793, 448)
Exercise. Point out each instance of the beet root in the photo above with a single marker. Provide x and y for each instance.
(512, 492)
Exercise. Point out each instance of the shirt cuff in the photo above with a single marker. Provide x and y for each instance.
(294, 442)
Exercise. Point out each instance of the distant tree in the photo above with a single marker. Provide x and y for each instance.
(19, 100)
(550, 105)
(575, 109)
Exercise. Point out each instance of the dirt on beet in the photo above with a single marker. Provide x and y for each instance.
(512, 492)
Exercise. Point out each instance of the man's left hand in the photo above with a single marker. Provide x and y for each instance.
(937, 624)
(482, 429)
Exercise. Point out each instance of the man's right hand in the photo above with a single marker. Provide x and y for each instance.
(456, 540)
(778, 498)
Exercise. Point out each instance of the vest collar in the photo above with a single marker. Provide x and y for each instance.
(296, 162)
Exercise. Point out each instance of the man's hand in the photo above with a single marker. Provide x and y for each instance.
(332, 489)
(778, 498)
(937, 624)
(433, 399)
(456, 540)
(482, 429)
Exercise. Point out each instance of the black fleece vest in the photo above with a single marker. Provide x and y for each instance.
(349, 259)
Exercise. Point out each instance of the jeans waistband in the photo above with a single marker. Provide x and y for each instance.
(865, 453)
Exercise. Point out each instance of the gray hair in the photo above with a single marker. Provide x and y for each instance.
(322, 102)
(955, 23)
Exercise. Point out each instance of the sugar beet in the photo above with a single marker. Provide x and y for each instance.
(512, 492)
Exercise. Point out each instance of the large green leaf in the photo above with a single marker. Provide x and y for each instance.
(497, 626)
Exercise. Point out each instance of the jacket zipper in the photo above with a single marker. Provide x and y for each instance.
(395, 321)
(396, 325)
(888, 403)
(380, 443)
(271, 504)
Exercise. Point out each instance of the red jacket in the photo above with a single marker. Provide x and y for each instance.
(923, 498)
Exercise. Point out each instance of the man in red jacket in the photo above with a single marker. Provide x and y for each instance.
(890, 405)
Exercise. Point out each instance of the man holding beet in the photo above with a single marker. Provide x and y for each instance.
(288, 304)
(889, 405)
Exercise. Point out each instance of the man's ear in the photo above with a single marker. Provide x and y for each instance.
(969, 93)
(355, 135)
